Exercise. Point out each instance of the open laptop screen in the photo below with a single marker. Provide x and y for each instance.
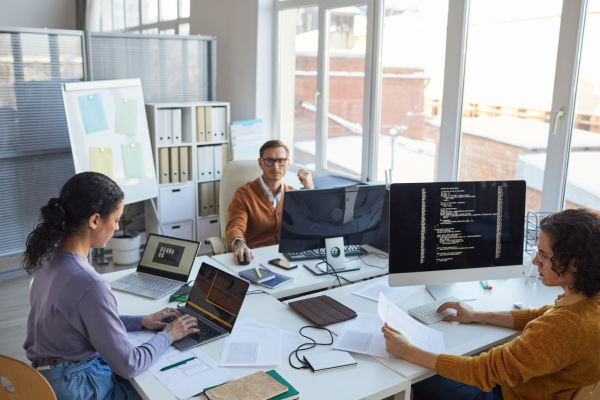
(217, 296)
(168, 257)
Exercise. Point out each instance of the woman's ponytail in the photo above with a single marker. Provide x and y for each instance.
(81, 197)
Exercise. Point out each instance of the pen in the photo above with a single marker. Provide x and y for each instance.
(257, 272)
(488, 284)
(177, 364)
(483, 285)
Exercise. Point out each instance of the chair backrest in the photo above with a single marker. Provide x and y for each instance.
(590, 392)
(28, 383)
(235, 174)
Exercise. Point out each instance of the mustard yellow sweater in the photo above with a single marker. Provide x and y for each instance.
(558, 352)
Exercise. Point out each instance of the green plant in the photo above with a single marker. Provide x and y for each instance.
(128, 220)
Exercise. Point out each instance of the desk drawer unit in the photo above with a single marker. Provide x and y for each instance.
(176, 204)
(208, 227)
(181, 230)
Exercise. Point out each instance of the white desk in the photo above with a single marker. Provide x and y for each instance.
(369, 380)
(462, 339)
(304, 280)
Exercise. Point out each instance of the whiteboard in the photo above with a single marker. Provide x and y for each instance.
(109, 133)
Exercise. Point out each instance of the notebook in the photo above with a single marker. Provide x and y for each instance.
(278, 281)
(291, 393)
(257, 386)
(250, 274)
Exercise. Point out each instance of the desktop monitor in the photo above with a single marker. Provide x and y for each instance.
(447, 232)
(312, 217)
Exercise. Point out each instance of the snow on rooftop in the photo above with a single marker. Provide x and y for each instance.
(520, 132)
(583, 185)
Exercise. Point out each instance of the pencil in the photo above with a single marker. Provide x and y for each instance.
(257, 272)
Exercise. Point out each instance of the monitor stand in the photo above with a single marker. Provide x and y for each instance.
(334, 249)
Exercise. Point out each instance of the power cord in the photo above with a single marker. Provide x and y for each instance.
(312, 345)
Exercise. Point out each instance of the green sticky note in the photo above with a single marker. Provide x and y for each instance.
(133, 160)
(101, 160)
(126, 117)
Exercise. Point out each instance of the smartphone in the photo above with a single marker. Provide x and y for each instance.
(278, 262)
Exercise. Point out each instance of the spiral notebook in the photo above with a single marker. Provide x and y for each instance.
(251, 275)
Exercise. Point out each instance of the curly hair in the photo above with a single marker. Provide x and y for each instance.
(83, 195)
(575, 234)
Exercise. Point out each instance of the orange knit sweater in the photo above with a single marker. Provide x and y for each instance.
(558, 352)
(252, 217)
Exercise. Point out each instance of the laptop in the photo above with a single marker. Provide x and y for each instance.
(215, 301)
(165, 266)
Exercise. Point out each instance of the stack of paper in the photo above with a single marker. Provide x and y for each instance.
(395, 294)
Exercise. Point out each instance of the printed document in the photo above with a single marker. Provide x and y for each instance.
(362, 335)
(288, 339)
(395, 294)
(191, 378)
(250, 346)
(418, 334)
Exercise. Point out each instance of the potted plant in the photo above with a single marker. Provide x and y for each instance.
(126, 245)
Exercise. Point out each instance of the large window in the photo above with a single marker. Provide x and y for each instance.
(167, 17)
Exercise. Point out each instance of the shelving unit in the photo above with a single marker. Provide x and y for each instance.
(179, 203)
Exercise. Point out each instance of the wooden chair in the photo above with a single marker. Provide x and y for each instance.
(28, 383)
(591, 392)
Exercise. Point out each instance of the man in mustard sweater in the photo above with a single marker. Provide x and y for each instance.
(255, 210)
(559, 349)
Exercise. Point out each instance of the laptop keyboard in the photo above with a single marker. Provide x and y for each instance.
(150, 283)
(206, 331)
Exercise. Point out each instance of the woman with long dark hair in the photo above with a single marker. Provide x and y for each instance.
(559, 350)
(75, 336)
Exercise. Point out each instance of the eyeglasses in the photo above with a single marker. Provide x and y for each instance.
(270, 161)
(541, 257)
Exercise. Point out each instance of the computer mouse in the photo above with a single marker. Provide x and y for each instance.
(245, 262)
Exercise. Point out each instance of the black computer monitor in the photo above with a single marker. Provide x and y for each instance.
(310, 217)
(446, 232)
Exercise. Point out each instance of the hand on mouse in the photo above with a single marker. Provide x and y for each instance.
(239, 250)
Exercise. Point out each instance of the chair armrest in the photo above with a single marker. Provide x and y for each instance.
(217, 245)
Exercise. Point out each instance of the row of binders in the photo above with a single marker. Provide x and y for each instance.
(208, 200)
(168, 126)
(211, 124)
(211, 160)
(173, 164)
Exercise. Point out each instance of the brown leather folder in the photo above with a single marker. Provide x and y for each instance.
(323, 310)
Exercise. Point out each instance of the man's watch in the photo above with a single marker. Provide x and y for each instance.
(237, 241)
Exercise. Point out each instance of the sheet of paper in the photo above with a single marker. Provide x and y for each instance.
(252, 347)
(418, 334)
(288, 339)
(92, 113)
(138, 338)
(126, 117)
(395, 294)
(133, 160)
(191, 378)
(101, 160)
(362, 335)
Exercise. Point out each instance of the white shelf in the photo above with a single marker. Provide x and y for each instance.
(177, 145)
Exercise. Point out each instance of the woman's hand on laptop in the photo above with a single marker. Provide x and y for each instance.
(154, 321)
(182, 327)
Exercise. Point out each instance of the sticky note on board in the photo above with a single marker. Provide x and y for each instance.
(126, 117)
(133, 160)
(101, 160)
(92, 113)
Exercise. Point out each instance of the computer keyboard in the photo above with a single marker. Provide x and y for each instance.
(150, 283)
(206, 331)
(428, 313)
(318, 254)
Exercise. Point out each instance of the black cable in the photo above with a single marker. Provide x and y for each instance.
(312, 345)
(328, 265)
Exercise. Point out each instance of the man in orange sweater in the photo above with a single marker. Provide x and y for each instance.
(559, 350)
(255, 210)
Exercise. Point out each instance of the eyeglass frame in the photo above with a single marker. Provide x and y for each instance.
(275, 160)
(539, 256)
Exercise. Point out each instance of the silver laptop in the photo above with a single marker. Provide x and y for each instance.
(165, 265)
(215, 301)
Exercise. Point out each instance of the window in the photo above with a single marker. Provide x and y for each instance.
(183, 29)
(132, 13)
(168, 10)
(412, 82)
(146, 16)
(149, 12)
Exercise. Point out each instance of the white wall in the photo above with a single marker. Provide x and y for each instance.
(51, 14)
(245, 37)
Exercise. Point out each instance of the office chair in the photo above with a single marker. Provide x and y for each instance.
(235, 174)
(28, 383)
(590, 392)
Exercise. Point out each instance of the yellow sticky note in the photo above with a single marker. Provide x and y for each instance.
(101, 160)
